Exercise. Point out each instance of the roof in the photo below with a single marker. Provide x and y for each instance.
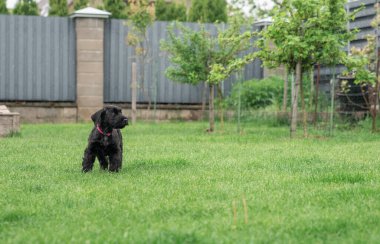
(90, 12)
(264, 22)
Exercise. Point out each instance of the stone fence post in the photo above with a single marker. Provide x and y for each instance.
(89, 26)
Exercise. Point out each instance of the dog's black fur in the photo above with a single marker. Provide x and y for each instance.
(105, 141)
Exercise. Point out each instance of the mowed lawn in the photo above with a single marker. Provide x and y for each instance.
(179, 185)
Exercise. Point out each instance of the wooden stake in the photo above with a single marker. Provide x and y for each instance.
(245, 210)
(134, 88)
(234, 213)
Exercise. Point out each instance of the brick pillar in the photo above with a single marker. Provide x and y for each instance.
(89, 24)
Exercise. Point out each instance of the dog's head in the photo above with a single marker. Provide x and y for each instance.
(110, 117)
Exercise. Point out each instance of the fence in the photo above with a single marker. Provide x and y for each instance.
(38, 63)
(37, 58)
(155, 86)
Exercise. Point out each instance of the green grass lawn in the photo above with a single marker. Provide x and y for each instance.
(178, 185)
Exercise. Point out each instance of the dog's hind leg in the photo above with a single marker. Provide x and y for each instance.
(88, 160)
(102, 160)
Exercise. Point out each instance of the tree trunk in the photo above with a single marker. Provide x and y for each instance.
(211, 109)
(134, 92)
(285, 98)
(293, 123)
(204, 93)
(221, 109)
(372, 105)
(304, 119)
(315, 117)
(376, 98)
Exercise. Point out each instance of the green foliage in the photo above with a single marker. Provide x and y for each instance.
(197, 56)
(190, 54)
(208, 11)
(3, 7)
(230, 44)
(58, 8)
(168, 11)
(139, 20)
(269, 92)
(255, 94)
(117, 8)
(140, 16)
(178, 183)
(312, 31)
(26, 7)
(362, 61)
(79, 4)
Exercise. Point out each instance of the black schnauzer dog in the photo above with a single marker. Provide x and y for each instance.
(105, 141)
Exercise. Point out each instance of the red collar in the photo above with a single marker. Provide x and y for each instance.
(101, 132)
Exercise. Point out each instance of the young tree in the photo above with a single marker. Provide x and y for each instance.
(58, 8)
(141, 16)
(170, 11)
(364, 64)
(79, 4)
(208, 11)
(117, 8)
(197, 56)
(26, 7)
(303, 33)
(3, 7)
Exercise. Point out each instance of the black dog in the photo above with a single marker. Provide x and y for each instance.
(105, 141)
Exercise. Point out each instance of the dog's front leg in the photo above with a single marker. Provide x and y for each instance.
(115, 162)
(102, 160)
(88, 160)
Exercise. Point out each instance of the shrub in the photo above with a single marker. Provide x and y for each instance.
(255, 94)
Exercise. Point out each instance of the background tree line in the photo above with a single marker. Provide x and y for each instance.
(201, 10)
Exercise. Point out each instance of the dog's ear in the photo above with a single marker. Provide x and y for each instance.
(98, 116)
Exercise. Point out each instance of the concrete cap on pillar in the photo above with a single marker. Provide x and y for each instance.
(264, 22)
(90, 12)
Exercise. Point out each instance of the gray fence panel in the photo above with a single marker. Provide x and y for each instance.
(37, 60)
(156, 86)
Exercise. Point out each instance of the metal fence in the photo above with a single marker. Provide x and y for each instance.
(156, 87)
(37, 58)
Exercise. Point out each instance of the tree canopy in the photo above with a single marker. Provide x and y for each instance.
(117, 8)
(311, 31)
(3, 7)
(168, 11)
(208, 11)
(26, 7)
(58, 8)
(79, 4)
